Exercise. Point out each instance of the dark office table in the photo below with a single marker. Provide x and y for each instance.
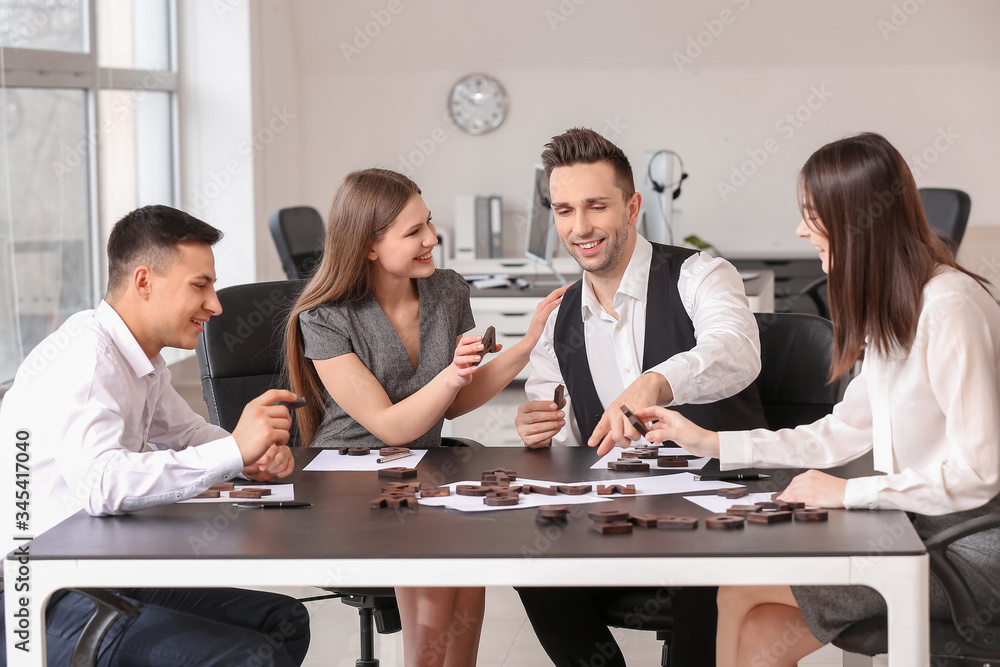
(341, 542)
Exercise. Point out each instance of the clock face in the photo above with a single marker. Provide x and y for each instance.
(477, 103)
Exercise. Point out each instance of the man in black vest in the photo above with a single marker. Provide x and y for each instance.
(648, 324)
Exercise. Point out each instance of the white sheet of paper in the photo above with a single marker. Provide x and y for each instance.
(719, 505)
(278, 492)
(616, 453)
(332, 460)
(659, 485)
(644, 486)
(476, 504)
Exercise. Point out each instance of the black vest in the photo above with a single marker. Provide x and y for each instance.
(669, 331)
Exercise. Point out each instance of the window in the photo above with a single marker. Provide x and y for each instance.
(86, 135)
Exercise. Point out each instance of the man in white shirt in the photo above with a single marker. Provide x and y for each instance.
(110, 435)
(647, 325)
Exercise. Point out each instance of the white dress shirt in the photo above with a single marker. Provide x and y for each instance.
(932, 416)
(91, 401)
(724, 361)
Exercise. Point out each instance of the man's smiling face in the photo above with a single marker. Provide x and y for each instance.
(591, 216)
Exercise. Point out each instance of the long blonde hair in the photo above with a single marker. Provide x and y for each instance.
(365, 206)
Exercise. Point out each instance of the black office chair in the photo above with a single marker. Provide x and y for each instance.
(796, 350)
(240, 356)
(108, 609)
(298, 234)
(977, 644)
(947, 211)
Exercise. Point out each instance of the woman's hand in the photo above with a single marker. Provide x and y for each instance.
(468, 354)
(670, 425)
(541, 316)
(815, 488)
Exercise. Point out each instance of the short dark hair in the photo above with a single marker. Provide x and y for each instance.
(149, 236)
(583, 146)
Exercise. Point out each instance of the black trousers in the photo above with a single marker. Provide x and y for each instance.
(216, 627)
(572, 623)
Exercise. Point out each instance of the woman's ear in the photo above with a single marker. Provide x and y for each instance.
(372, 255)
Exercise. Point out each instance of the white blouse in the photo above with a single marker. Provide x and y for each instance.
(932, 416)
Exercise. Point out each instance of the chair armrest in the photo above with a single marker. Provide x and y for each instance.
(963, 605)
(942, 540)
(109, 607)
(812, 291)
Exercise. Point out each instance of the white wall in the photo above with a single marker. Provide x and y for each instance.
(612, 66)
(216, 127)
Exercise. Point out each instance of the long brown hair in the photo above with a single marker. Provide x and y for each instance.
(860, 193)
(365, 206)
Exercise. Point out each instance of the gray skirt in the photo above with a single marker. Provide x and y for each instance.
(829, 610)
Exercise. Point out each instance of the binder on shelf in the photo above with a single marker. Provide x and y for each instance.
(496, 227)
(482, 227)
(465, 227)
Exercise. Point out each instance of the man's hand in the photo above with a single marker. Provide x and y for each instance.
(277, 461)
(263, 425)
(671, 425)
(537, 422)
(817, 489)
(614, 428)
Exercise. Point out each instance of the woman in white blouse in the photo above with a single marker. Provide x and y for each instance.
(926, 401)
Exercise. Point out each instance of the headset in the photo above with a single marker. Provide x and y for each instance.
(662, 187)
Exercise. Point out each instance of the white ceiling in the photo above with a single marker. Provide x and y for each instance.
(471, 34)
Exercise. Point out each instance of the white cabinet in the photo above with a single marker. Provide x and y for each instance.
(510, 316)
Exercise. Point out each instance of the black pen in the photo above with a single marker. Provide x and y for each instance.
(736, 477)
(273, 504)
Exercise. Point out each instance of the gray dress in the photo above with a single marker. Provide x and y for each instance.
(829, 610)
(337, 328)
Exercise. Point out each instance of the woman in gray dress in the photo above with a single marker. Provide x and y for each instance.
(926, 403)
(378, 333)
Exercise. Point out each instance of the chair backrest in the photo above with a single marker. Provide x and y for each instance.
(298, 234)
(947, 210)
(796, 350)
(241, 351)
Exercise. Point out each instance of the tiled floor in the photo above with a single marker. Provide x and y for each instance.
(507, 636)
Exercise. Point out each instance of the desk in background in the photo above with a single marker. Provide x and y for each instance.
(340, 542)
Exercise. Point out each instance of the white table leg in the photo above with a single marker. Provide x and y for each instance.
(24, 612)
(904, 583)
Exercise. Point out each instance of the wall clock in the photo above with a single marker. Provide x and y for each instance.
(477, 103)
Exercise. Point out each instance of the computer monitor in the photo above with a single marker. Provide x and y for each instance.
(541, 236)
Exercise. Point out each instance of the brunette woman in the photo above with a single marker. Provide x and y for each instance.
(927, 400)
